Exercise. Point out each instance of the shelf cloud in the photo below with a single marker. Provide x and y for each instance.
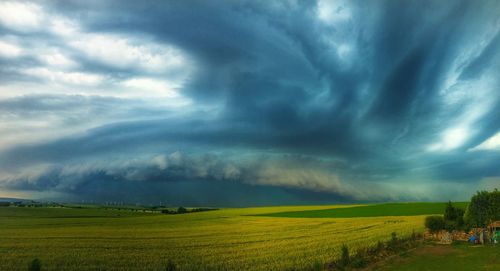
(249, 102)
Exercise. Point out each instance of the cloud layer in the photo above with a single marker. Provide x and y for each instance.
(289, 101)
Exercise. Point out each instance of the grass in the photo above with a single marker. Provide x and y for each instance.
(228, 239)
(375, 210)
(459, 256)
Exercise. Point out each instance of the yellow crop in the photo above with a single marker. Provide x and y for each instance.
(228, 239)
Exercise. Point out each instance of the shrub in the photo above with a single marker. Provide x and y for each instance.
(344, 258)
(182, 210)
(483, 208)
(170, 266)
(394, 237)
(453, 218)
(35, 265)
(317, 266)
(450, 212)
(450, 225)
(434, 223)
(359, 262)
(413, 236)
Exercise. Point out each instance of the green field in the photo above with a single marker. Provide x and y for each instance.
(375, 210)
(460, 256)
(228, 239)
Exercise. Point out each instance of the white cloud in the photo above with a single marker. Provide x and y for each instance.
(451, 139)
(333, 11)
(58, 69)
(464, 104)
(144, 87)
(57, 59)
(492, 143)
(9, 50)
(126, 52)
(60, 77)
(63, 27)
(469, 51)
(20, 16)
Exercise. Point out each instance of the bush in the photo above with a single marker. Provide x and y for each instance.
(35, 265)
(394, 237)
(317, 266)
(359, 262)
(182, 210)
(170, 266)
(450, 226)
(434, 223)
(453, 218)
(483, 208)
(344, 258)
(413, 236)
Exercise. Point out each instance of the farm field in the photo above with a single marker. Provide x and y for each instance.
(234, 239)
(459, 256)
(374, 210)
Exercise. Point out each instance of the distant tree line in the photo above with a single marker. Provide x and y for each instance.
(28, 204)
(182, 210)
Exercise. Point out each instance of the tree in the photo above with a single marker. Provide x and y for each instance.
(181, 210)
(495, 205)
(453, 218)
(450, 212)
(434, 223)
(484, 208)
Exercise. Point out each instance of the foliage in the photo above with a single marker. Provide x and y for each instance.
(434, 223)
(35, 265)
(484, 208)
(495, 205)
(344, 258)
(453, 218)
(374, 253)
(394, 237)
(170, 266)
(182, 210)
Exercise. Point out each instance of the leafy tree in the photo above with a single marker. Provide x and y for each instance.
(453, 218)
(450, 212)
(484, 207)
(434, 223)
(182, 210)
(495, 205)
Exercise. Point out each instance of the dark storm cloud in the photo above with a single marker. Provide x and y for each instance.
(397, 92)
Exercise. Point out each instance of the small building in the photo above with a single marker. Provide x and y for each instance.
(494, 228)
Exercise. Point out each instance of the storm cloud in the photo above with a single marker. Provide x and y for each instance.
(275, 102)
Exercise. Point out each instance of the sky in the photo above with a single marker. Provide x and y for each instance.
(242, 103)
